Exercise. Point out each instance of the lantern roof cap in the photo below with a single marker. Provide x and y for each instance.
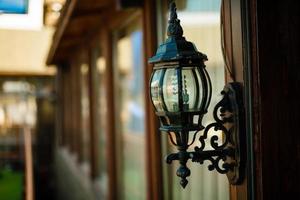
(176, 47)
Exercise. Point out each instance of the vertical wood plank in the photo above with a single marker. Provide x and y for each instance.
(237, 42)
(28, 163)
(59, 109)
(232, 19)
(67, 105)
(256, 102)
(122, 4)
(154, 167)
(111, 137)
(275, 58)
(227, 38)
(93, 114)
(76, 109)
(73, 107)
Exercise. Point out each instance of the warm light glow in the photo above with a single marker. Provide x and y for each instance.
(56, 6)
(124, 54)
(101, 65)
(84, 69)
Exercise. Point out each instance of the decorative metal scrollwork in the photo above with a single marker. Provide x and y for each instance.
(225, 156)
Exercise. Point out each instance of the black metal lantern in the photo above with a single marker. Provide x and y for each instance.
(180, 90)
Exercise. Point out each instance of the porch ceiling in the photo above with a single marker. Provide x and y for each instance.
(78, 20)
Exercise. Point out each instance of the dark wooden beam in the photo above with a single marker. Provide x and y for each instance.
(92, 4)
(96, 11)
(106, 42)
(62, 24)
(82, 25)
(64, 54)
(153, 148)
(231, 18)
(68, 42)
(77, 17)
(76, 34)
(124, 4)
(276, 82)
(118, 19)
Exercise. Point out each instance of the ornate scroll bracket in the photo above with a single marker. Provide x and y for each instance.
(224, 150)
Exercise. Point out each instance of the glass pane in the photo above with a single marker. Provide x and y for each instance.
(85, 116)
(103, 123)
(198, 77)
(200, 20)
(189, 89)
(170, 90)
(130, 110)
(101, 120)
(156, 90)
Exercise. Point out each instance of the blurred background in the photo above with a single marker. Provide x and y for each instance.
(75, 117)
(27, 98)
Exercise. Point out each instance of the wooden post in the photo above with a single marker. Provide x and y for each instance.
(28, 164)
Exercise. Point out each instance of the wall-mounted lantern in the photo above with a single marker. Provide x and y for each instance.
(180, 90)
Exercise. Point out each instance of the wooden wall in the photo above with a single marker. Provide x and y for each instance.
(275, 48)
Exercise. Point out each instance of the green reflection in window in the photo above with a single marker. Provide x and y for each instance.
(130, 99)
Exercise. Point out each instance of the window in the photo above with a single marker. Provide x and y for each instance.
(14, 6)
(21, 14)
(200, 20)
(85, 116)
(129, 95)
(100, 119)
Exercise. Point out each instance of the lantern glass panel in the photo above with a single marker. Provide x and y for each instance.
(190, 89)
(156, 90)
(170, 90)
(201, 88)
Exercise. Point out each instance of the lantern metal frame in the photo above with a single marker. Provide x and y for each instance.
(184, 117)
(226, 158)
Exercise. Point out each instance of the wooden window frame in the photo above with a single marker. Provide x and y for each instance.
(94, 110)
(154, 151)
(237, 48)
(153, 147)
(120, 24)
(275, 96)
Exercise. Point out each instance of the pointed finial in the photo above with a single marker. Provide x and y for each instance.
(173, 13)
(174, 28)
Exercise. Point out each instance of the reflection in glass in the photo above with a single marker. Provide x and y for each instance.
(103, 123)
(156, 90)
(170, 90)
(130, 97)
(189, 90)
(99, 71)
(85, 116)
